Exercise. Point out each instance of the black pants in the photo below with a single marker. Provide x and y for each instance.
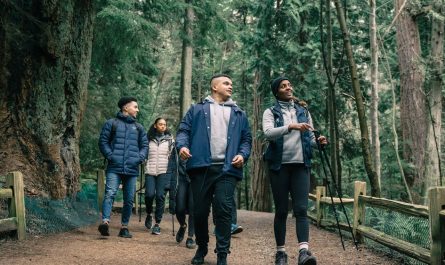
(209, 186)
(155, 190)
(234, 213)
(293, 179)
(184, 204)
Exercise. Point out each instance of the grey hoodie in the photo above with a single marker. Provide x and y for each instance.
(219, 124)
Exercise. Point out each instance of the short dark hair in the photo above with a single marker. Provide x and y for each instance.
(219, 75)
(125, 100)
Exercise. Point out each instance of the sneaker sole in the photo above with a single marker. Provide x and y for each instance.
(310, 262)
(130, 236)
(237, 230)
(197, 262)
(103, 230)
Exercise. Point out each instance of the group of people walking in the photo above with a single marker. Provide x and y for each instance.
(202, 167)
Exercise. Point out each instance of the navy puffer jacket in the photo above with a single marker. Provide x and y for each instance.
(127, 149)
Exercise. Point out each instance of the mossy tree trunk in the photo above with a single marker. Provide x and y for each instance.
(45, 52)
(366, 149)
(413, 112)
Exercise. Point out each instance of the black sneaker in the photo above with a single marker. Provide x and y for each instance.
(125, 233)
(281, 258)
(156, 230)
(148, 222)
(236, 229)
(221, 258)
(103, 229)
(199, 255)
(180, 234)
(305, 258)
(190, 243)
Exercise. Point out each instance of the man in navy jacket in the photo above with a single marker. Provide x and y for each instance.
(214, 137)
(123, 142)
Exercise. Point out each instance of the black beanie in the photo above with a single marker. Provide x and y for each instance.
(124, 100)
(275, 84)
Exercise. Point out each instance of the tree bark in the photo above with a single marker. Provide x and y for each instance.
(186, 62)
(433, 174)
(375, 191)
(374, 110)
(331, 103)
(412, 99)
(261, 196)
(45, 54)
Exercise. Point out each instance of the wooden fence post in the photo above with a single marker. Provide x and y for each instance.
(320, 192)
(17, 205)
(359, 209)
(100, 188)
(437, 229)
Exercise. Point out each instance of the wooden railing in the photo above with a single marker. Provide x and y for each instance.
(434, 212)
(16, 208)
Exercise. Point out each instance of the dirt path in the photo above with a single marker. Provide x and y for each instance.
(254, 246)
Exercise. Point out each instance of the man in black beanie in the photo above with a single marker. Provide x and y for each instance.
(288, 127)
(123, 142)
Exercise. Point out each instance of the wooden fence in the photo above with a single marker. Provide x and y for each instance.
(16, 207)
(435, 213)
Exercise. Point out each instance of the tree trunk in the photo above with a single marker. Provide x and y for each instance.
(261, 196)
(412, 99)
(186, 62)
(332, 105)
(375, 191)
(45, 54)
(374, 110)
(433, 176)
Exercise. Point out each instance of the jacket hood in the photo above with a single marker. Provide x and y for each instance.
(229, 102)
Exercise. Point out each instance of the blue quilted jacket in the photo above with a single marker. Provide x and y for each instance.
(126, 147)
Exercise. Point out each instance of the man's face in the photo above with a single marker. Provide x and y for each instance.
(161, 126)
(131, 109)
(222, 86)
(285, 91)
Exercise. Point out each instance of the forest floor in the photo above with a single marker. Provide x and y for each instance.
(254, 246)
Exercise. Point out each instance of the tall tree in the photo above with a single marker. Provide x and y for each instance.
(412, 97)
(331, 98)
(366, 152)
(374, 110)
(261, 196)
(186, 62)
(433, 174)
(45, 59)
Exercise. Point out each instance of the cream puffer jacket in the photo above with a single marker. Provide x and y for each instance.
(158, 155)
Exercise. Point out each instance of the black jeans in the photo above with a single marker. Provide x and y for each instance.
(210, 186)
(293, 179)
(184, 204)
(234, 213)
(155, 188)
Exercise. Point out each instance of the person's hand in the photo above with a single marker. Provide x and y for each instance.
(300, 126)
(238, 161)
(322, 140)
(184, 153)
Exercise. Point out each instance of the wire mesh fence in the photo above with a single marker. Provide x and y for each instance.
(47, 216)
(408, 228)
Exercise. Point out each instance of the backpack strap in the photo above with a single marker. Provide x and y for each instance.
(113, 129)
